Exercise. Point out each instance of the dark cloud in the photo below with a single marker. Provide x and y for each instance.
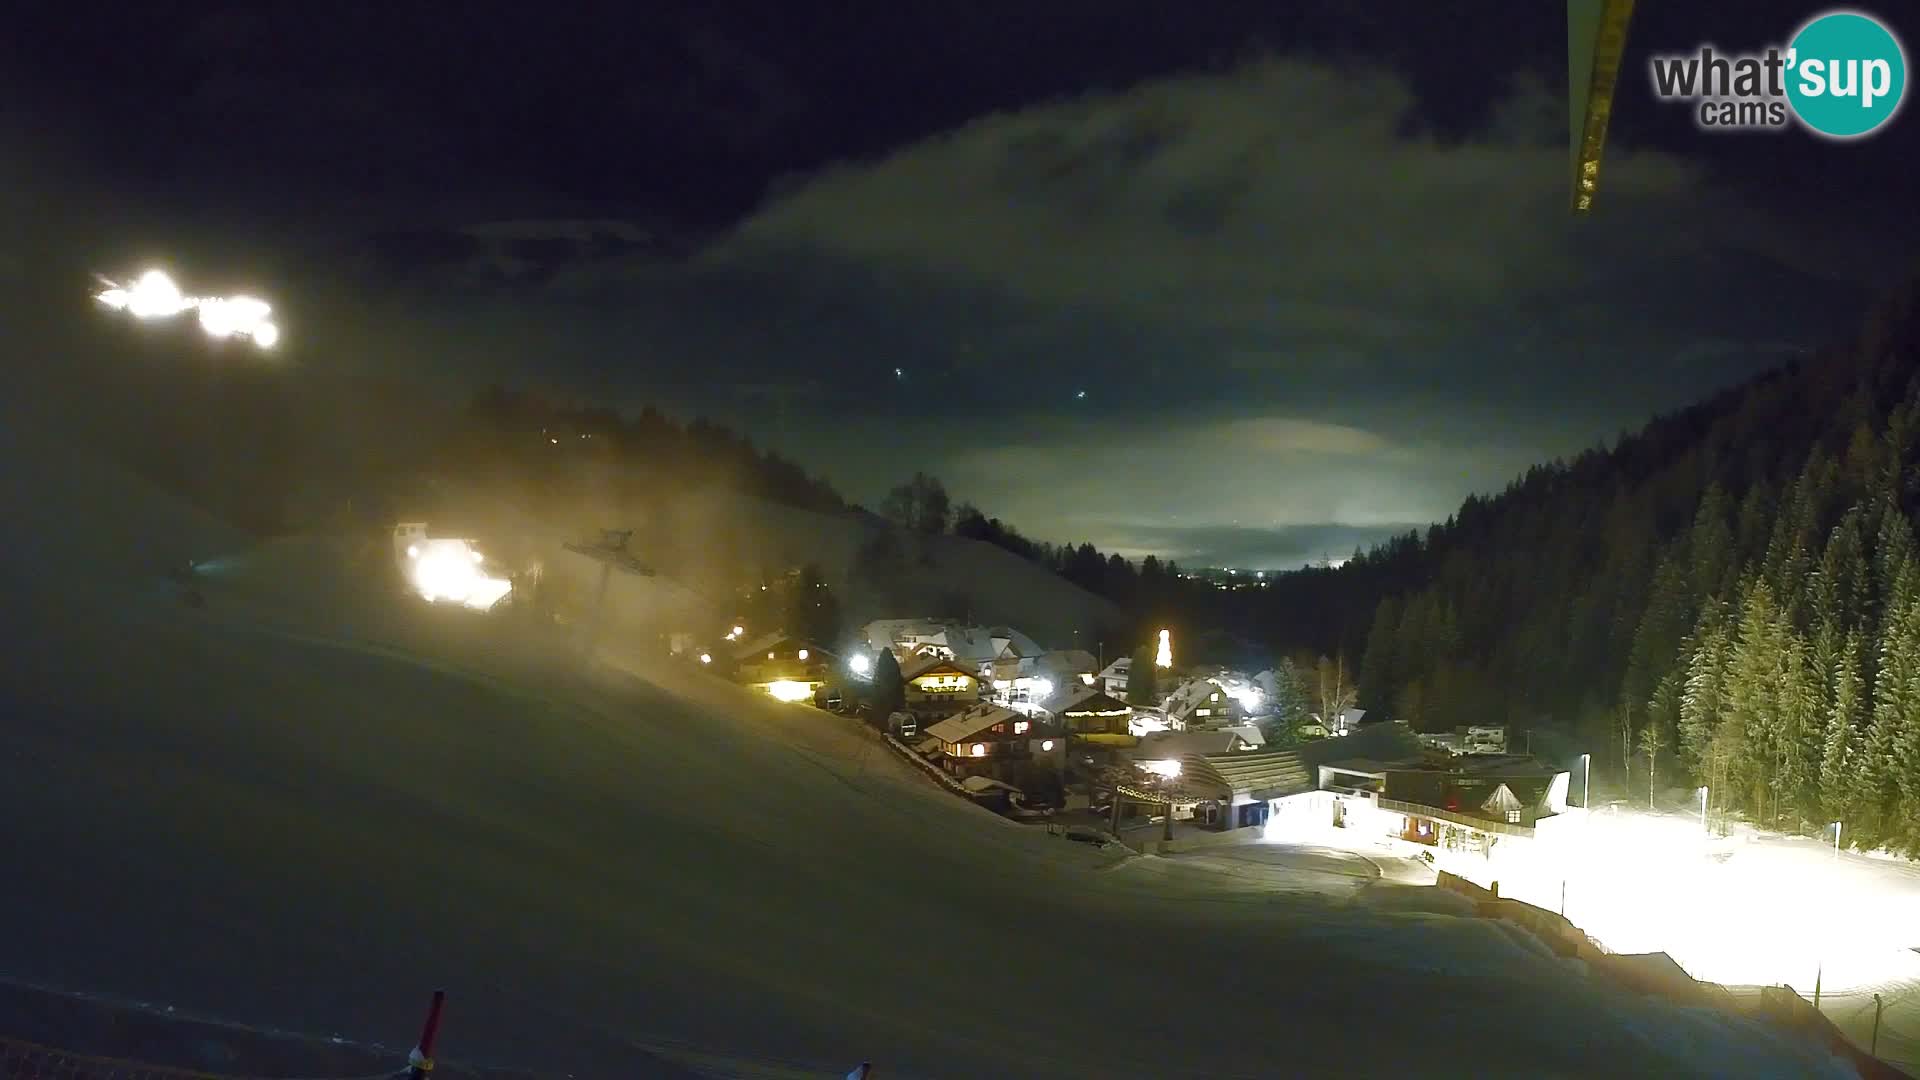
(1208, 311)
(1285, 305)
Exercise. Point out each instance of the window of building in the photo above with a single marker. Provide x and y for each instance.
(1513, 817)
(979, 749)
(1203, 712)
(1019, 727)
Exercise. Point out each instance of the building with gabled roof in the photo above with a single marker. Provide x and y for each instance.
(1201, 703)
(936, 686)
(784, 665)
(987, 736)
(1088, 713)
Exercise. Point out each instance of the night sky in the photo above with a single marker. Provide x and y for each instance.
(1239, 283)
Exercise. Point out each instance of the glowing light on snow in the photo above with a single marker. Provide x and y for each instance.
(1744, 910)
(451, 570)
(1164, 658)
(1249, 697)
(1142, 726)
(1168, 768)
(860, 664)
(156, 296)
(1041, 689)
(788, 690)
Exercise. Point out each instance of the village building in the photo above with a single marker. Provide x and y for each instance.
(1201, 703)
(1112, 679)
(785, 666)
(1089, 715)
(970, 646)
(1466, 802)
(937, 686)
(1023, 682)
(988, 738)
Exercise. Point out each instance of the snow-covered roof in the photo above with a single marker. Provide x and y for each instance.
(1192, 695)
(1067, 661)
(1263, 774)
(917, 666)
(963, 726)
(899, 633)
(764, 642)
(969, 644)
(1119, 669)
(982, 784)
(1249, 732)
(1079, 696)
(1174, 745)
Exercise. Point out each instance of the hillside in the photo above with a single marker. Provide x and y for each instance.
(1735, 579)
(278, 449)
(306, 802)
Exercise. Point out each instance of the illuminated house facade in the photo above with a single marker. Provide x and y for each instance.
(1026, 681)
(1469, 801)
(1202, 703)
(784, 666)
(986, 738)
(936, 686)
(1090, 715)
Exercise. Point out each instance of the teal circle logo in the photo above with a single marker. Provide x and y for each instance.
(1846, 74)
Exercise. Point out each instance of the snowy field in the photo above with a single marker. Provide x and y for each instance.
(1750, 909)
(303, 813)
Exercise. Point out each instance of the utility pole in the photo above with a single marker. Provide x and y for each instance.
(612, 554)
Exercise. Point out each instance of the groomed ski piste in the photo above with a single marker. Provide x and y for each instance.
(305, 803)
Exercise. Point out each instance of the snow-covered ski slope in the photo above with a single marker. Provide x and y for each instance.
(305, 821)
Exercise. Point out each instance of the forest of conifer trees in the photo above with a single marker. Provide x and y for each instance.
(1730, 598)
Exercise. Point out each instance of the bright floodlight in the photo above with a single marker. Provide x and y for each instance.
(860, 664)
(706, 658)
(788, 690)
(450, 570)
(155, 296)
(1163, 657)
(1041, 690)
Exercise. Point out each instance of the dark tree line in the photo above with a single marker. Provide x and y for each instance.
(1729, 598)
(534, 433)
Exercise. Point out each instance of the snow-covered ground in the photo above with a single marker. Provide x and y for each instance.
(1750, 909)
(302, 807)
